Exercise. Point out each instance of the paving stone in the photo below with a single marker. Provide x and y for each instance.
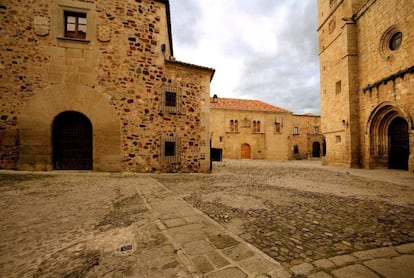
(375, 253)
(343, 260)
(279, 272)
(238, 253)
(202, 264)
(302, 269)
(223, 241)
(406, 248)
(397, 267)
(353, 271)
(324, 263)
(217, 259)
(256, 266)
(198, 247)
(320, 274)
(174, 222)
(233, 272)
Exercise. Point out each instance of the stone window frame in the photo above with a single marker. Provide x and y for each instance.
(296, 130)
(316, 130)
(234, 126)
(256, 126)
(386, 49)
(70, 6)
(170, 149)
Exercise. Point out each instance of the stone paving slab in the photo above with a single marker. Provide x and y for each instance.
(396, 267)
(208, 249)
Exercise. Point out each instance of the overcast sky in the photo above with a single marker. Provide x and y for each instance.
(261, 49)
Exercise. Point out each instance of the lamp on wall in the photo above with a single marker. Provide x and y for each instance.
(215, 99)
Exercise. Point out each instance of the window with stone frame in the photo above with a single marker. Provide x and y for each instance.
(75, 25)
(256, 126)
(234, 125)
(316, 130)
(296, 130)
(277, 127)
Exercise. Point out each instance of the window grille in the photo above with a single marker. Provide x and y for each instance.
(170, 99)
(170, 149)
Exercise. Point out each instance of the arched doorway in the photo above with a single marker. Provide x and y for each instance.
(245, 151)
(399, 144)
(316, 149)
(72, 142)
(388, 128)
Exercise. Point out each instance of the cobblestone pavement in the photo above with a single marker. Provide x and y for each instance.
(298, 227)
(246, 219)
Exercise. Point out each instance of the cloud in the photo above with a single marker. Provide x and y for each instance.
(263, 50)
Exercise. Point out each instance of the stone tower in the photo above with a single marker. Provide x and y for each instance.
(93, 85)
(366, 51)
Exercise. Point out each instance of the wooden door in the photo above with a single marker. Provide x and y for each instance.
(245, 151)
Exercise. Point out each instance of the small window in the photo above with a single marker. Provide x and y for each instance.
(316, 130)
(338, 139)
(170, 99)
(277, 127)
(338, 87)
(296, 149)
(395, 41)
(169, 148)
(221, 139)
(75, 25)
(234, 125)
(295, 130)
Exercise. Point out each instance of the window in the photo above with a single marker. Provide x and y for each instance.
(234, 125)
(221, 139)
(295, 130)
(277, 127)
(338, 139)
(75, 25)
(395, 41)
(256, 126)
(338, 87)
(169, 148)
(296, 149)
(170, 100)
(316, 130)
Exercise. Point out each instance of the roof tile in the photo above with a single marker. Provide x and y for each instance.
(245, 104)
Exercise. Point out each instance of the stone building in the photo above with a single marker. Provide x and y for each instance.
(251, 129)
(93, 85)
(366, 51)
(307, 139)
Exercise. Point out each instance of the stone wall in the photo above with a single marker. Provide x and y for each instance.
(117, 77)
(360, 75)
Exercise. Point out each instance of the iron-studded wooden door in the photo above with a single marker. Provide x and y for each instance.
(72, 142)
(399, 144)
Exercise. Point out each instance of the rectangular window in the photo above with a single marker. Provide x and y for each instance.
(316, 130)
(169, 148)
(170, 99)
(75, 25)
(277, 127)
(295, 130)
(338, 87)
(338, 139)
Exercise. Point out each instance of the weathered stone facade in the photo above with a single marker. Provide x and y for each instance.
(366, 51)
(147, 111)
(251, 129)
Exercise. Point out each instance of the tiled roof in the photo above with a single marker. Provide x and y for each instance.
(245, 104)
